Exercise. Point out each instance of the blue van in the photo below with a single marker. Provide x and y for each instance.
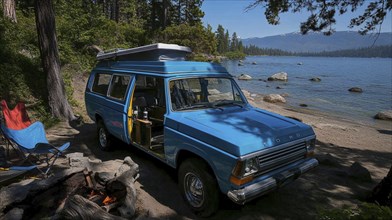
(194, 117)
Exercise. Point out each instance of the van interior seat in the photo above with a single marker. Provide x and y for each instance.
(149, 99)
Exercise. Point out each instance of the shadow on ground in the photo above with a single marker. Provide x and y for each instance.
(325, 187)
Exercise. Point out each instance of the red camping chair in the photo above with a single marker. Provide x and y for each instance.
(29, 138)
(16, 118)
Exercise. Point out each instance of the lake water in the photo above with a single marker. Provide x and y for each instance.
(331, 95)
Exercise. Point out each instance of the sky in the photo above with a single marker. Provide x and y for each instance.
(231, 15)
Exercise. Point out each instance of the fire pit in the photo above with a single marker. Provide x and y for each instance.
(104, 189)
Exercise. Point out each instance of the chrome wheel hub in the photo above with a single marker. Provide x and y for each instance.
(102, 137)
(194, 190)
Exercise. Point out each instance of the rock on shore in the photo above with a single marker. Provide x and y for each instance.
(384, 115)
(244, 77)
(355, 89)
(315, 79)
(274, 98)
(281, 76)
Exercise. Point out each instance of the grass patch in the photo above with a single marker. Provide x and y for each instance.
(364, 211)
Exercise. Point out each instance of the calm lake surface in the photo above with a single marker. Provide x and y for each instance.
(331, 95)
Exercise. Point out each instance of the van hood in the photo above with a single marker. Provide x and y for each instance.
(238, 131)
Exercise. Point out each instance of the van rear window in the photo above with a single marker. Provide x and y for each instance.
(101, 83)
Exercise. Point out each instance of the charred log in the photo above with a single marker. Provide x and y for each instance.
(124, 190)
(77, 207)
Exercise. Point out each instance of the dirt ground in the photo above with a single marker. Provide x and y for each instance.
(340, 143)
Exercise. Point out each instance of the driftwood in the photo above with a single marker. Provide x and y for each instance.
(89, 180)
(120, 187)
(111, 206)
(124, 186)
(77, 207)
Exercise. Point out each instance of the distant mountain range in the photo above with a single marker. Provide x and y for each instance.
(317, 42)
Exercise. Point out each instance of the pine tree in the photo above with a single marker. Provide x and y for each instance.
(220, 36)
(234, 42)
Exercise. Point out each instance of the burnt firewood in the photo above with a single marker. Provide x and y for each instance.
(125, 185)
(77, 207)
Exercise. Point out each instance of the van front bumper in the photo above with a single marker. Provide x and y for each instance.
(258, 189)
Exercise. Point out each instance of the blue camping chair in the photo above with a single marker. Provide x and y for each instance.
(32, 142)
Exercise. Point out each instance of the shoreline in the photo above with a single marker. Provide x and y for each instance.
(257, 99)
(342, 138)
(336, 129)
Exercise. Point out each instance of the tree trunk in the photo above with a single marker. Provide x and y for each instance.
(9, 10)
(382, 193)
(46, 29)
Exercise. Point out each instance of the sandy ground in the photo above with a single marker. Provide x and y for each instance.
(341, 141)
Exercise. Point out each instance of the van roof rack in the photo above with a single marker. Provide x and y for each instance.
(152, 52)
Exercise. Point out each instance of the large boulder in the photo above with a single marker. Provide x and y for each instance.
(244, 77)
(384, 115)
(281, 76)
(274, 98)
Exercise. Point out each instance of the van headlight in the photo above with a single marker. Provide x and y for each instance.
(310, 147)
(244, 170)
(251, 166)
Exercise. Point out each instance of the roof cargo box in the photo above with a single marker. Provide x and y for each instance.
(152, 52)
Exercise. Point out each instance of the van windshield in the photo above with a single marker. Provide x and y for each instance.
(194, 93)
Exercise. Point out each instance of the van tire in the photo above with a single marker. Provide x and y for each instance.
(198, 187)
(105, 139)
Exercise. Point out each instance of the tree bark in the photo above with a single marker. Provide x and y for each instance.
(382, 193)
(9, 10)
(46, 29)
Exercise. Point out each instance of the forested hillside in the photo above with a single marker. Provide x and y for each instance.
(84, 27)
(375, 51)
(318, 42)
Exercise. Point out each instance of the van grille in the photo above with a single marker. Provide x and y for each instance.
(282, 157)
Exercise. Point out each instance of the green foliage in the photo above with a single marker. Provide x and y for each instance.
(222, 43)
(234, 55)
(254, 50)
(21, 77)
(20, 74)
(364, 211)
(322, 13)
(80, 25)
(198, 38)
(84, 26)
(231, 49)
(376, 51)
(201, 57)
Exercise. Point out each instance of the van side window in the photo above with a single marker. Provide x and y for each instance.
(101, 83)
(119, 86)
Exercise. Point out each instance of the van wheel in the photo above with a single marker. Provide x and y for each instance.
(198, 187)
(104, 138)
